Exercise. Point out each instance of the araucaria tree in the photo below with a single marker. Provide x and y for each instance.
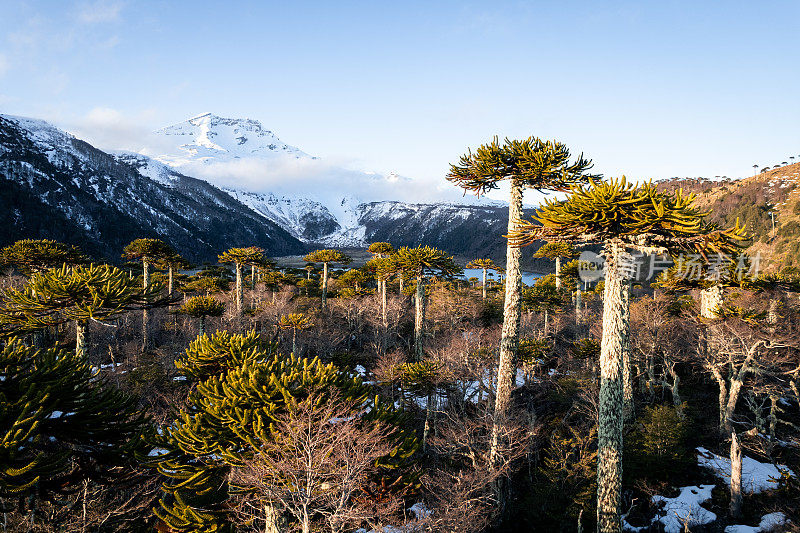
(61, 427)
(621, 217)
(253, 256)
(525, 164)
(202, 307)
(79, 294)
(148, 251)
(326, 257)
(37, 255)
(418, 263)
(294, 322)
(555, 251)
(483, 265)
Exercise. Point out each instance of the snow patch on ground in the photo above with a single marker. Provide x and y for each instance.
(756, 477)
(769, 522)
(685, 509)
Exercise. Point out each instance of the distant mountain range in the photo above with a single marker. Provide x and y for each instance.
(54, 185)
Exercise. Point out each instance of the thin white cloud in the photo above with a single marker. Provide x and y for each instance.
(109, 129)
(321, 179)
(99, 11)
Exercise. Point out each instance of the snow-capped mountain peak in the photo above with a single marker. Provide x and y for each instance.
(209, 138)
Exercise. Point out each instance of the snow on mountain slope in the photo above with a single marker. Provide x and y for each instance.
(315, 202)
(208, 138)
(57, 186)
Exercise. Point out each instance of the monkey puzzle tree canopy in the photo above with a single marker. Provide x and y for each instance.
(148, 250)
(380, 249)
(555, 250)
(639, 216)
(252, 255)
(621, 216)
(230, 414)
(424, 260)
(80, 293)
(60, 424)
(37, 255)
(213, 355)
(328, 256)
(532, 163)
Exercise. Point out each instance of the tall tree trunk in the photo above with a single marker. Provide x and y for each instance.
(324, 285)
(383, 303)
(80, 337)
(710, 300)
(558, 273)
(419, 320)
(170, 280)
(509, 337)
(252, 277)
(772, 313)
(145, 312)
(239, 292)
(272, 519)
(609, 435)
(484, 284)
(578, 303)
(773, 414)
(736, 477)
(627, 378)
(428, 421)
(201, 330)
(294, 341)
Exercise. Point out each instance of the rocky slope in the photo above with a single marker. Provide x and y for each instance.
(54, 185)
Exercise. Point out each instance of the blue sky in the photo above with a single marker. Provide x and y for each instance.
(648, 89)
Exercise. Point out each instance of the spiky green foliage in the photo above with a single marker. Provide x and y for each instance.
(383, 268)
(216, 354)
(424, 261)
(38, 255)
(420, 376)
(540, 297)
(80, 293)
(327, 256)
(773, 282)
(202, 306)
(532, 162)
(295, 321)
(638, 215)
(252, 255)
(380, 249)
(482, 264)
(206, 285)
(148, 250)
(554, 250)
(226, 418)
(355, 278)
(60, 424)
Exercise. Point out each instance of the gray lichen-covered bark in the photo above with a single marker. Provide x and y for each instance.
(509, 337)
(145, 312)
(610, 423)
(627, 378)
(483, 286)
(711, 299)
(80, 337)
(419, 320)
(324, 285)
(558, 272)
(239, 292)
(736, 477)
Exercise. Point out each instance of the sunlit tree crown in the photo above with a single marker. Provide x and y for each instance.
(638, 215)
(201, 306)
(532, 162)
(424, 260)
(148, 249)
(328, 256)
(252, 255)
(37, 255)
